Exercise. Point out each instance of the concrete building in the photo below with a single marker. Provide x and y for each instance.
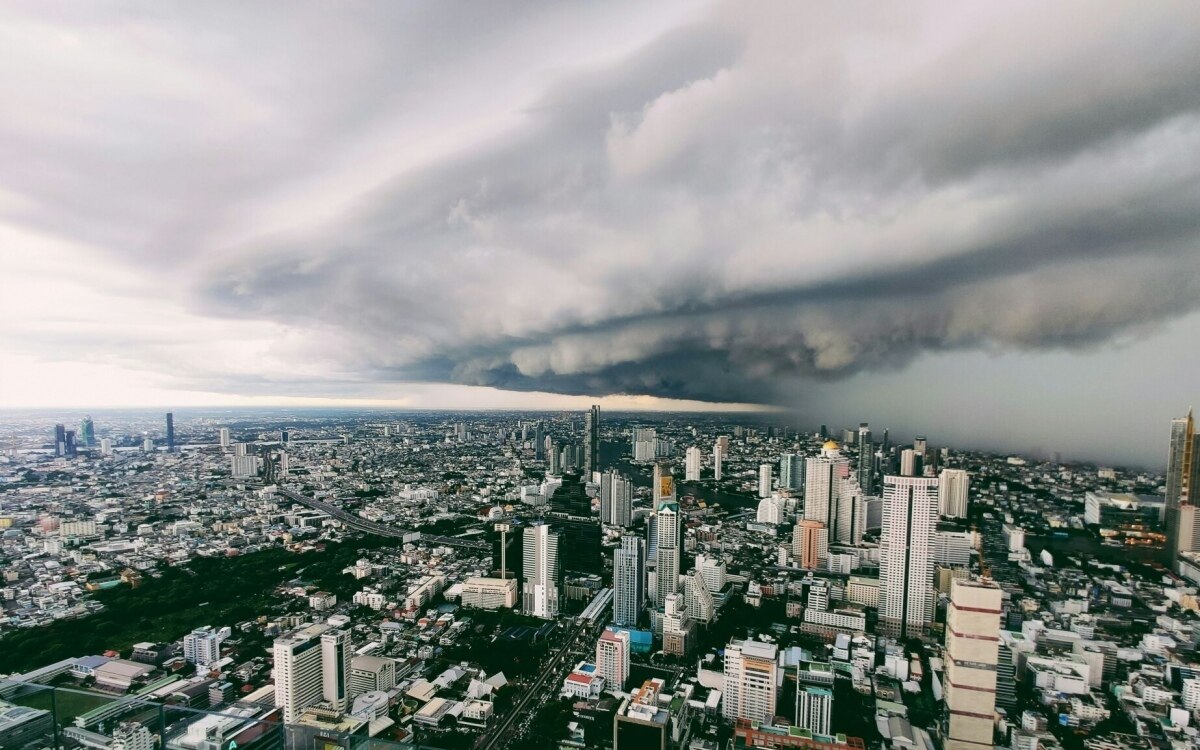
(543, 576)
(489, 593)
(750, 681)
(972, 641)
(814, 708)
(629, 581)
(910, 514)
(953, 488)
(692, 464)
(612, 658)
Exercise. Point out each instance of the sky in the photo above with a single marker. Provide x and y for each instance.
(976, 221)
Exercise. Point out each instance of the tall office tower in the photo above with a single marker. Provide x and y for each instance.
(810, 544)
(972, 658)
(910, 515)
(105, 447)
(851, 520)
(616, 499)
(791, 472)
(814, 708)
(284, 437)
(542, 573)
(60, 440)
(908, 463)
(202, 646)
(712, 569)
(298, 682)
(170, 432)
(629, 581)
(667, 555)
(953, 485)
(71, 447)
(866, 458)
(539, 442)
(764, 480)
(87, 432)
(612, 659)
(555, 456)
(652, 538)
(591, 440)
(1183, 486)
(692, 464)
(718, 461)
(920, 446)
(824, 482)
(749, 681)
(697, 597)
(335, 668)
(223, 436)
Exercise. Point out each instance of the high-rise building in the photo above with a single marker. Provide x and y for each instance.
(87, 432)
(791, 471)
(335, 669)
(718, 461)
(368, 673)
(629, 581)
(668, 533)
(170, 432)
(106, 448)
(616, 499)
(131, 735)
(543, 576)
(832, 495)
(814, 708)
(908, 463)
(591, 441)
(555, 466)
(1183, 486)
(764, 480)
(866, 458)
(612, 658)
(677, 626)
(701, 606)
(770, 511)
(298, 671)
(60, 440)
(972, 658)
(910, 515)
(202, 646)
(539, 442)
(223, 437)
(284, 437)
(810, 544)
(713, 570)
(71, 446)
(953, 485)
(692, 464)
(750, 681)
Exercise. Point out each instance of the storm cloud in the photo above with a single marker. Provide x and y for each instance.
(715, 202)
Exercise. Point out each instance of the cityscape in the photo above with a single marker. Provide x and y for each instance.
(673, 375)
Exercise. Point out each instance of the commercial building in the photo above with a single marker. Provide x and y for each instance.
(612, 658)
(953, 488)
(629, 581)
(910, 516)
(543, 576)
(972, 656)
(489, 593)
(750, 681)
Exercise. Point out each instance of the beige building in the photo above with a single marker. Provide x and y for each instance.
(972, 654)
(489, 593)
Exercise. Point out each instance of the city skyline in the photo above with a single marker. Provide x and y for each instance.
(541, 222)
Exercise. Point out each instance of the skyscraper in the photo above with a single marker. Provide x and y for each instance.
(814, 708)
(87, 432)
(60, 440)
(750, 674)
(1183, 486)
(972, 651)
(616, 499)
(910, 515)
(866, 458)
(612, 658)
(70, 447)
(539, 442)
(629, 581)
(718, 460)
(791, 471)
(335, 668)
(953, 485)
(223, 437)
(810, 544)
(540, 594)
(170, 432)
(667, 553)
(692, 464)
(832, 495)
(764, 480)
(298, 670)
(591, 441)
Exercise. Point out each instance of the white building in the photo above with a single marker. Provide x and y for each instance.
(750, 681)
(541, 558)
(770, 510)
(718, 460)
(298, 671)
(335, 669)
(202, 646)
(764, 480)
(692, 464)
(223, 437)
(667, 552)
(953, 486)
(814, 709)
(910, 515)
(489, 593)
(629, 580)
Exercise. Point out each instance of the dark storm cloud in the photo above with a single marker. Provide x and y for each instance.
(759, 196)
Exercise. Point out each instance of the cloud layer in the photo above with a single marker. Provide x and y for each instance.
(707, 202)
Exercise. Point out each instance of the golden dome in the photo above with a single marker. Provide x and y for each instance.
(829, 446)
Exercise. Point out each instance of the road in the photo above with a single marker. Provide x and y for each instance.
(550, 671)
(371, 527)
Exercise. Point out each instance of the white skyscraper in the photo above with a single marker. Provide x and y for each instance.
(202, 646)
(224, 437)
(629, 581)
(692, 469)
(814, 708)
(612, 659)
(908, 462)
(298, 668)
(750, 673)
(335, 668)
(697, 597)
(540, 555)
(764, 480)
(718, 462)
(910, 515)
(972, 656)
(667, 552)
(105, 447)
(713, 571)
(822, 483)
(616, 499)
(953, 485)
(769, 511)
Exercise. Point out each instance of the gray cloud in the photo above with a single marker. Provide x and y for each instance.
(754, 198)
